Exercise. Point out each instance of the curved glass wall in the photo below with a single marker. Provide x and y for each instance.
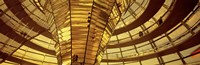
(22, 39)
(183, 31)
(150, 25)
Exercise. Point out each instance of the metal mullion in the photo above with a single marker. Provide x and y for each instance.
(139, 6)
(25, 50)
(171, 42)
(127, 16)
(167, 7)
(45, 4)
(120, 48)
(119, 17)
(24, 54)
(14, 6)
(5, 43)
(62, 23)
(57, 31)
(60, 5)
(169, 38)
(187, 27)
(63, 4)
(134, 44)
(118, 9)
(59, 12)
(11, 18)
(45, 53)
(129, 5)
(140, 62)
(166, 35)
(179, 54)
(155, 49)
(107, 56)
(30, 12)
(35, 60)
(152, 44)
(181, 57)
(160, 59)
(49, 18)
(62, 15)
(43, 41)
(23, 42)
(189, 16)
(143, 27)
(70, 28)
(133, 14)
(40, 7)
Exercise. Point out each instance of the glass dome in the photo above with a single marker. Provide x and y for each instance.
(148, 32)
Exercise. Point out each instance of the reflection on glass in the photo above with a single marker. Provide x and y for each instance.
(91, 24)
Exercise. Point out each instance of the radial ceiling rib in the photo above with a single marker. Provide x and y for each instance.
(176, 15)
(152, 8)
(13, 59)
(193, 41)
(8, 31)
(16, 8)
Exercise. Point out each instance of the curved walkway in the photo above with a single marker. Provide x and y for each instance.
(16, 8)
(8, 31)
(193, 41)
(152, 8)
(180, 10)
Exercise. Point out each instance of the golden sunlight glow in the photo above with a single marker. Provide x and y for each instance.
(65, 29)
(92, 28)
